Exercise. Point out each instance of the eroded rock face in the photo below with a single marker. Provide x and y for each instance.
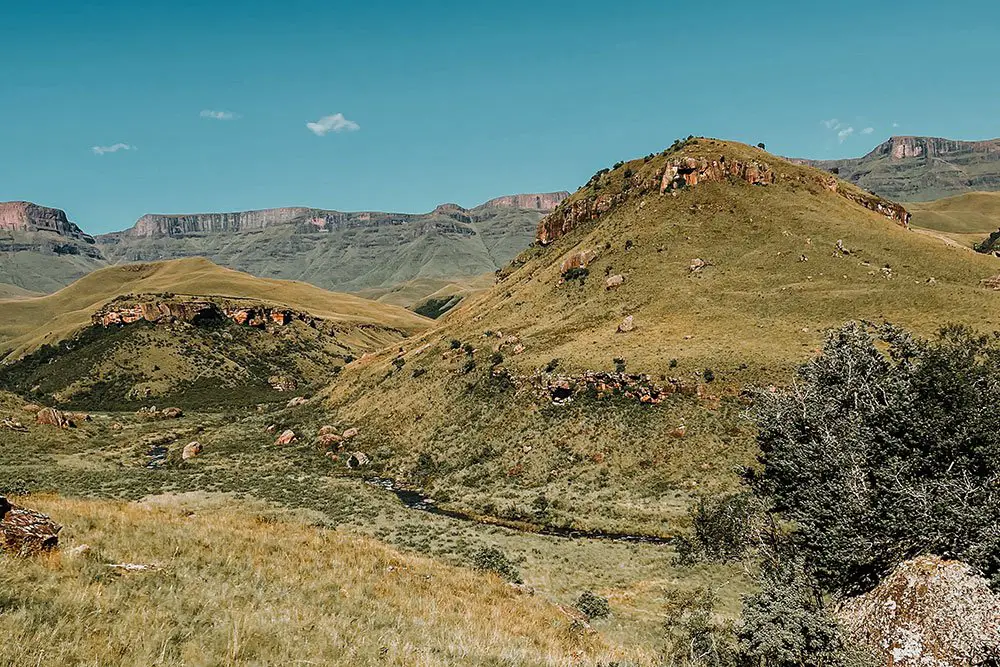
(24, 532)
(27, 217)
(541, 202)
(120, 313)
(928, 612)
(690, 172)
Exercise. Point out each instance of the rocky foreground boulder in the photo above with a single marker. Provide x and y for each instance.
(25, 532)
(928, 612)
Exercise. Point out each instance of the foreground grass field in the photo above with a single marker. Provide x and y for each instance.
(237, 584)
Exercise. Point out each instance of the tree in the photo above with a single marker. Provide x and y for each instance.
(887, 447)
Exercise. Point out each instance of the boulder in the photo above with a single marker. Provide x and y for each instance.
(350, 434)
(191, 450)
(628, 324)
(328, 441)
(297, 401)
(357, 460)
(929, 612)
(613, 282)
(577, 260)
(327, 430)
(286, 438)
(53, 417)
(24, 532)
(31, 408)
(172, 413)
(697, 264)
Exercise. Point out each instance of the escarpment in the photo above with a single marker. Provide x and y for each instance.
(683, 172)
(25, 216)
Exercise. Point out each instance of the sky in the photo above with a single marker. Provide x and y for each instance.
(113, 109)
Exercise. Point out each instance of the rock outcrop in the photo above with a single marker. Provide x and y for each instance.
(27, 217)
(928, 612)
(121, 312)
(541, 202)
(24, 532)
(686, 172)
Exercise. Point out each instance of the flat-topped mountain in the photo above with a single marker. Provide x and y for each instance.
(41, 249)
(346, 251)
(921, 168)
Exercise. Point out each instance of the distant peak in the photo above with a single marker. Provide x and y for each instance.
(29, 217)
(547, 201)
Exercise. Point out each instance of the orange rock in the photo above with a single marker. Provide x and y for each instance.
(286, 438)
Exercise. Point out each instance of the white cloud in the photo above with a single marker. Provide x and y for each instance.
(832, 124)
(868, 130)
(844, 134)
(113, 148)
(895, 124)
(219, 115)
(334, 123)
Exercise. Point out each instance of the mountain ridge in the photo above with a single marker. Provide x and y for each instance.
(919, 168)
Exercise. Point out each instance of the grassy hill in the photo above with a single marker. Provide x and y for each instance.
(67, 361)
(470, 416)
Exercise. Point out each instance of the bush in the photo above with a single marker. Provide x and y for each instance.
(552, 365)
(709, 375)
(619, 364)
(496, 359)
(887, 448)
(455, 343)
(576, 272)
(593, 606)
(491, 559)
(725, 528)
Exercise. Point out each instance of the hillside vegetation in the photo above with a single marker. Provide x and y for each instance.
(469, 415)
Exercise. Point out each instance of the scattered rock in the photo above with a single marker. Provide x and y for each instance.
(887, 272)
(297, 401)
(13, 425)
(53, 417)
(613, 282)
(24, 532)
(80, 551)
(991, 283)
(931, 281)
(191, 450)
(841, 249)
(286, 438)
(803, 258)
(357, 460)
(327, 430)
(628, 324)
(519, 348)
(31, 408)
(928, 612)
(679, 432)
(697, 264)
(328, 440)
(282, 383)
(172, 413)
(350, 434)
(578, 260)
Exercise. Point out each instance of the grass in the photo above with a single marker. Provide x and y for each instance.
(240, 584)
(106, 458)
(26, 324)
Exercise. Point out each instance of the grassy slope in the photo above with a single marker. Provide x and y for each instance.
(8, 291)
(37, 267)
(966, 219)
(27, 323)
(241, 585)
(107, 458)
(751, 316)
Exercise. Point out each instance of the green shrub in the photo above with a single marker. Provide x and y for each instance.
(708, 375)
(491, 559)
(593, 606)
(455, 343)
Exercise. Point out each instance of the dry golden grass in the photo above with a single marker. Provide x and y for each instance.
(240, 585)
(26, 324)
(973, 213)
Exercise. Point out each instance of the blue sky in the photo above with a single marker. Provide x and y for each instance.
(453, 101)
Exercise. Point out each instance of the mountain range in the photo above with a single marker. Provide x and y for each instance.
(918, 169)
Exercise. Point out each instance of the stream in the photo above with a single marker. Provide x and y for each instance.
(417, 501)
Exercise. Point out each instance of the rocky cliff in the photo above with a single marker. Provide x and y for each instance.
(42, 250)
(682, 172)
(921, 168)
(363, 251)
(28, 217)
(314, 219)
